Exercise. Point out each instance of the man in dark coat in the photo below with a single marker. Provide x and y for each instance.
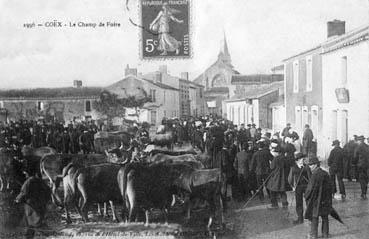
(318, 197)
(241, 165)
(260, 164)
(307, 141)
(300, 175)
(361, 157)
(277, 183)
(335, 163)
(35, 195)
(349, 166)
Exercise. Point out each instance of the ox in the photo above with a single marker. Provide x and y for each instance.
(162, 140)
(93, 184)
(147, 186)
(205, 184)
(52, 167)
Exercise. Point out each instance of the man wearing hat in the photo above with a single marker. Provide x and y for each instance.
(349, 164)
(361, 154)
(260, 165)
(318, 197)
(307, 140)
(277, 183)
(335, 163)
(299, 179)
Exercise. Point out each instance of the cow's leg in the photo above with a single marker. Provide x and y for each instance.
(131, 199)
(165, 211)
(187, 207)
(99, 211)
(1, 184)
(106, 214)
(84, 202)
(113, 211)
(211, 200)
(147, 214)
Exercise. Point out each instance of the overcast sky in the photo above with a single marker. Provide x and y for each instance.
(260, 34)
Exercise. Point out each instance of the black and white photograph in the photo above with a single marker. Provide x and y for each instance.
(181, 119)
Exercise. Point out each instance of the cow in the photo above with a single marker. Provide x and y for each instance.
(52, 166)
(187, 159)
(106, 140)
(38, 152)
(147, 186)
(92, 184)
(205, 184)
(165, 139)
(11, 170)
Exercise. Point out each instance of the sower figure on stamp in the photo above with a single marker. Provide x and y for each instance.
(335, 163)
(35, 195)
(161, 25)
(318, 197)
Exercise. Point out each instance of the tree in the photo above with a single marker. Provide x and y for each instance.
(110, 105)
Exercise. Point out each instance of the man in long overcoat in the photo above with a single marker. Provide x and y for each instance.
(318, 197)
(277, 183)
(35, 195)
(361, 155)
(260, 164)
(335, 163)
(307, 140)
(349, 165)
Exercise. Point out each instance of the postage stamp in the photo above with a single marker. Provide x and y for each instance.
(165, 29)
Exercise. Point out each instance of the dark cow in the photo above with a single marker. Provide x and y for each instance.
(186, 159)
(38, 152)
(205, 184)
(93, 184)
(52, 167)
(147, 186)
(166, 139)
(172, 153)
(107, 140)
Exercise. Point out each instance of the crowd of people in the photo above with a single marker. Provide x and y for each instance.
(255, 162)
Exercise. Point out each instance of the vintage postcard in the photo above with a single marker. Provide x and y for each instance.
(181, 119)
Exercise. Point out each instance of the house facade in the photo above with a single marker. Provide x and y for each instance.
(345, 86)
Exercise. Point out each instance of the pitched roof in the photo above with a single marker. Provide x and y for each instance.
(50, 93)
(258, 91)
(255, 79)
(220, 90)
(161, 85)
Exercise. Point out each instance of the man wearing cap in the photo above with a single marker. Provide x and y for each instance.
(361, 154)
(318, 197)
(335, 163)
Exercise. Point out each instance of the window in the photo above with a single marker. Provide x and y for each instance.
(40, 105)
(164, 98)
(314, 119)
(200, 92)
(153, 95)
(298, 119)
(295, 76)
(88, 106)
(334, 125)
(153, 117)
(309, 73)
(165, 113)
(305, 116)
(344, 71)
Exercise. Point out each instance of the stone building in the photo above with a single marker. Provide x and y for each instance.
(253, 105)
(217, 81)
(60, 104)
(191, 98)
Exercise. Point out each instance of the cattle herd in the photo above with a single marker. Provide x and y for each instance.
(156, 181)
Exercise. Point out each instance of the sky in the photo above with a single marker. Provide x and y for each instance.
(260, 34)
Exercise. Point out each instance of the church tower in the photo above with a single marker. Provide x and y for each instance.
(224, 55)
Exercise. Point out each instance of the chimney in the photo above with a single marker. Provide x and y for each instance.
(184, 75)
(336, 28)
(77, 83)
(158, 76)
(130, 71)
(163, 69)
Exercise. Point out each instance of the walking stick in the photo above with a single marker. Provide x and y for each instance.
(260, 188)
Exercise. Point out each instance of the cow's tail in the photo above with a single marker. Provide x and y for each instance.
(70, 188)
